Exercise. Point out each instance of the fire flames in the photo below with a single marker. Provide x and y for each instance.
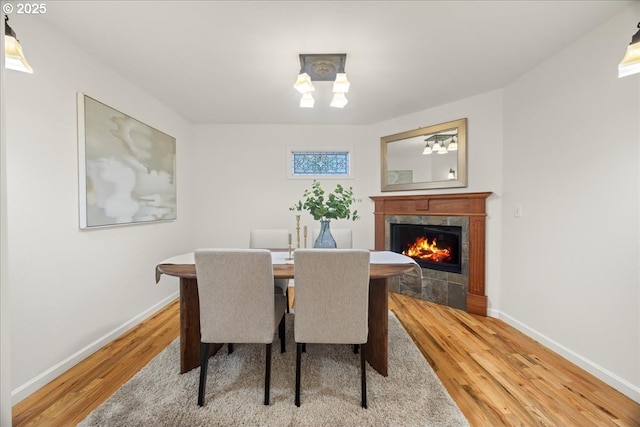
(428, 251)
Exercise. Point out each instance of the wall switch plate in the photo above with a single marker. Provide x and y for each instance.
(517, 211)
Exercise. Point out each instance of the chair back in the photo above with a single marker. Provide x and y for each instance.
(342, 236)
(273, 238)
(331, 295)
(235, 288)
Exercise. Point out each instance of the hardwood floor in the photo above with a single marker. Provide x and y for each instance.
(68, 399)
(497, 375)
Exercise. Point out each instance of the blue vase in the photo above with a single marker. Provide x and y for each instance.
(325, 239)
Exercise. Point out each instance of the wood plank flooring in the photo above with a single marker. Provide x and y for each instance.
(68, 399)
(497, 375)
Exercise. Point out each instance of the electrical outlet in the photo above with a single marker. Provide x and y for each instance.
(517, 211)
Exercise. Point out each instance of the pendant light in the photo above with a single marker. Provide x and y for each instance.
(453, 145)
(13, 57)
(630, 64)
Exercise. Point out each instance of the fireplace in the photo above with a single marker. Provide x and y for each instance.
(436, 247)
(465, 290)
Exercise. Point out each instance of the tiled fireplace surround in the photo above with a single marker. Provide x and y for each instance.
(467, 210)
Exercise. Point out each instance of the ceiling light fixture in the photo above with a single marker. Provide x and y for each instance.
(630, 64)
(307, 100)
(303, 84)
(436, 144)
(323, 67)
(453, 145)
(339, 100)
(13, 57)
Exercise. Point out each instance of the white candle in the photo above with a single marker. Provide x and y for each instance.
(289, 238)
(305, 231)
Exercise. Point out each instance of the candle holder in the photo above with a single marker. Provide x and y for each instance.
(305, 236)
(298, 229)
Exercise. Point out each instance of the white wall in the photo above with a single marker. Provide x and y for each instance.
(71, 290)
(484, 159)
(241, 180)
(570, 273)
(5, 365)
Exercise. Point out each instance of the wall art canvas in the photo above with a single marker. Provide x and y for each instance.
(126, 168)
(400, 177)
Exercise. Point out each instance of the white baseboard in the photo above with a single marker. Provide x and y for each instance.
(55, 371)
(620, 384)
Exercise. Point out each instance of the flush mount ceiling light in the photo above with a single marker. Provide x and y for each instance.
(13, 57)
(322, 67)
(630, 64)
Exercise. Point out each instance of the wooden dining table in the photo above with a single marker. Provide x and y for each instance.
(378, 341)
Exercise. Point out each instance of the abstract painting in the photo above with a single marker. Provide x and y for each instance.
(126, 168)
(400, 177)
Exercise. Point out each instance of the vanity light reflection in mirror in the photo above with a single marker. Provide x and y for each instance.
(425, 158)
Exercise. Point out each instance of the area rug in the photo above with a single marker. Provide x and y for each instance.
(412, 395)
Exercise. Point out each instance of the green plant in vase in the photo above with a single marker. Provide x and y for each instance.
(324, 207)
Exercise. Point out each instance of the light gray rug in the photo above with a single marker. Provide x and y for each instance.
(158, 395)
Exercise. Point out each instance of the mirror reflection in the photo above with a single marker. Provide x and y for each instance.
(425, 158)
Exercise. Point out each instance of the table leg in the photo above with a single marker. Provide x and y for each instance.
(378, 342)
(190, 326)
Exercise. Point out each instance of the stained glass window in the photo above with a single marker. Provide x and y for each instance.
(331, 163)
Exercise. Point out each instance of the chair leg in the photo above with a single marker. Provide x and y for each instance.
(204, 353)
(356, 347)
(363, 370)
(282, 334)
(298, 357)
(267, 375)
(230, 347)
(287, 295)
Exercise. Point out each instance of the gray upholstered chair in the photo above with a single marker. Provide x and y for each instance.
(237, 304)
(274, 238)
(332, 302)
(342, 236)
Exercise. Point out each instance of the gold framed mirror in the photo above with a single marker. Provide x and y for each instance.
(425, 158)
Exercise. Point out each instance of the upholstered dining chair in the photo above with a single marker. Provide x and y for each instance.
(237, 304)
(342, 236)
(332, 303)
(272, 238)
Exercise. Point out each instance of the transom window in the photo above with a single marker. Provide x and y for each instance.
(306, 164)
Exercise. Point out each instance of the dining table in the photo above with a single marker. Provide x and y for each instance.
(383, 265)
